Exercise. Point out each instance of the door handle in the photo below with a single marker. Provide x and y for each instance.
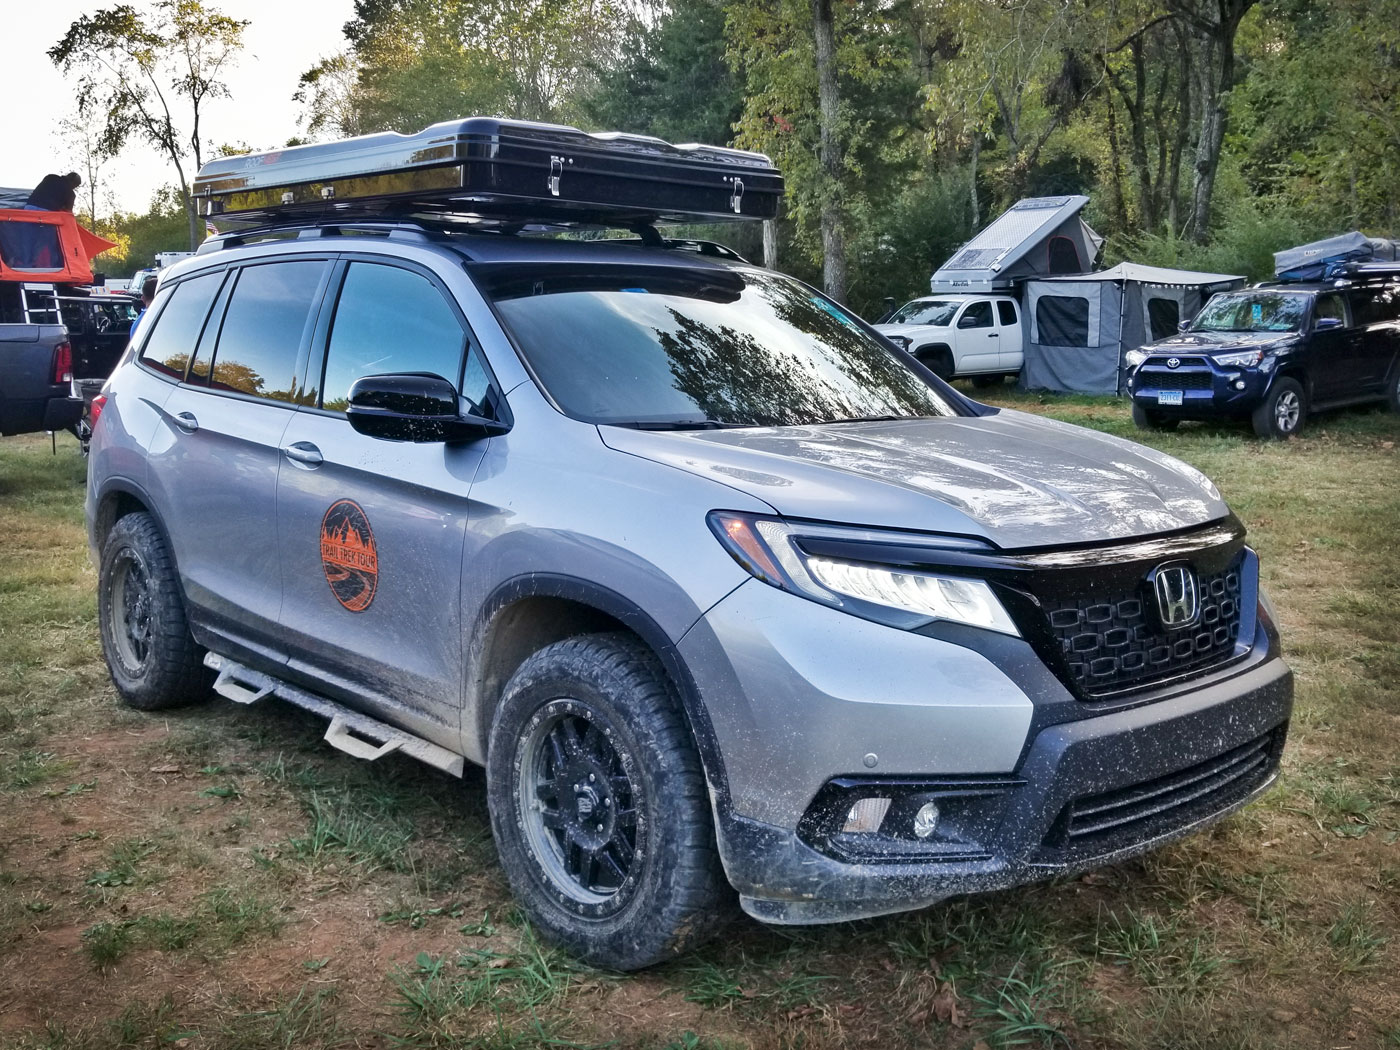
(303, 452)
(186, 422)
(993, 335)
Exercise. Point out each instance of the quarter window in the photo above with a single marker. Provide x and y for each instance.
(978, 315)
(177, 326)
(389, 319)
(264, 328)
(1006, 312)
(1062, 320)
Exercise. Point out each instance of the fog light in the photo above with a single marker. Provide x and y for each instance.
(866, 814)
(926, 820)
(1239, 384)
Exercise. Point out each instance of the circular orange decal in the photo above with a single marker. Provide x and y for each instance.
(349, 557)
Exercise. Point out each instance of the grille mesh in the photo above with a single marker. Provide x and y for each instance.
(1161, 379)
(1113, 642)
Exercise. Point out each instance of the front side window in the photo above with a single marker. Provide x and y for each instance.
(665, 348)
(977, 315)
(938, 312)
(264, 327)
(389, 319)
(1062, 320)
(1330, 306)
(177, 325)
(1253, 312)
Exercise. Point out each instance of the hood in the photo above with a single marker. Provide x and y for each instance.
(1014, 479)
(911, 329)
(1208, 342)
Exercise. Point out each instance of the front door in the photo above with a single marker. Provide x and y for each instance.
(372, 531)
(978, 341)
(1336, 361)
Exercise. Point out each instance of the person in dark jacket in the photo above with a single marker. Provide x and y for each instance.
(55, 193)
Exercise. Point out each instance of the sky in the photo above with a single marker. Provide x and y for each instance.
(283, 39)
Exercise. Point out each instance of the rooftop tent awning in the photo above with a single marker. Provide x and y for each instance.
(1140, 274)
(1325, 258)
(46, 246)
(1039, 236)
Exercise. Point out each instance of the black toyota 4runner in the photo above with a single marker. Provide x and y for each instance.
(1274, 353)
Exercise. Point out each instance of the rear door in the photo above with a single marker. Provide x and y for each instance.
(1376, 316)
(216, 452)
(1009, 326)
(371, 532)
(977, 342)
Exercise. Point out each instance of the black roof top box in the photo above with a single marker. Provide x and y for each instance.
(509, 170)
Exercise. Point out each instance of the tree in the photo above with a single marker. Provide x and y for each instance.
(146, 76)
(829, 152)
(327, 91)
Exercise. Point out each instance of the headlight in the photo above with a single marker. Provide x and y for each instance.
(1136, 357)
(1240, 359)
(772, 551)
(900, 341)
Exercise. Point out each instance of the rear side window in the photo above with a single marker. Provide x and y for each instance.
(177, 326)
(1376, 306)
(389, 319)
(1006, 312)
(1163, 316)
(264, 328)
(1062, 320)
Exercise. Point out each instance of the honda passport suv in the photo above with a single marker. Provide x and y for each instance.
(730, 597)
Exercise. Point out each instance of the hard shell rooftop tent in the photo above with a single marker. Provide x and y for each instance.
(1036, 237)
(1328, 258)
(1080, 327)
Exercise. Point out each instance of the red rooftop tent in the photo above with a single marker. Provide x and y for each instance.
(46, 246)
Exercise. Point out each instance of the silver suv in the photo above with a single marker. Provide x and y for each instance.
(729, 597)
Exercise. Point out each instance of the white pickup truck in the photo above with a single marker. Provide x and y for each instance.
(977, 336)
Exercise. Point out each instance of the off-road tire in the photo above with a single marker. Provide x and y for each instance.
(982, 382)
(146, 639)
(674, 896)
(1283, 412)
(1393, 390)
(1146, 419)
(937, 360)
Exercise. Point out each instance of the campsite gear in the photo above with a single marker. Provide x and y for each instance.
(1330, 257)
(1036, 237)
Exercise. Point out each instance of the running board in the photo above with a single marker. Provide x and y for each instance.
(350, 731)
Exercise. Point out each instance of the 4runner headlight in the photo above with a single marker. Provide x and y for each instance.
(1136, 357)
(1240, 359)
(772, 551)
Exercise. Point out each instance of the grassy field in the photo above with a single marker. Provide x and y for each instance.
(217, 877)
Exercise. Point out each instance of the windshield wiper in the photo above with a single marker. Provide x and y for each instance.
(675, 424)
(870, 419)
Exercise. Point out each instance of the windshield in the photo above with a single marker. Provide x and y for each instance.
(925, 311)
(1252, 312)
(669, 348)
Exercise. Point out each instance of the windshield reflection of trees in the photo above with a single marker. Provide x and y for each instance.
(841, 372)
(1277, 313)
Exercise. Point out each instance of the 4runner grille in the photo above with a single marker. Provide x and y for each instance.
(1112, 642)
(1178, 380)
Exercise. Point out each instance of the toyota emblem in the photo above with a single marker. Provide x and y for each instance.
(1173, 362)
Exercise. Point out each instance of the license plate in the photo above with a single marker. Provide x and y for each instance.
(1169, 397)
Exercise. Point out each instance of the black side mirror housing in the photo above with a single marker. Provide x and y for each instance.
(414, 406)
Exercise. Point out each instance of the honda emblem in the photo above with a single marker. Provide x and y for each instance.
(1178, 596)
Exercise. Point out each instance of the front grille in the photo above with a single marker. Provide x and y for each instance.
(1172, 798)
(1173, 380)
(1112, 642)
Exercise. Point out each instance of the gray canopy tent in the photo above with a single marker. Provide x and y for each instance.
(1080, 327)
(1036, 237)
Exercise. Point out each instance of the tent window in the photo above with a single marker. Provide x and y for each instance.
(1062, 320)
(1064, 256)
(1163, 316)
(30, 246)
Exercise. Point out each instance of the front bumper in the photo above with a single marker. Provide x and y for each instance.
(1207, 390)
(996, 722)
(782, 879)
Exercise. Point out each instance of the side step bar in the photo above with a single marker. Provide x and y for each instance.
(352, 732)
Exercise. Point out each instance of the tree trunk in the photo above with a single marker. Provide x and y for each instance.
(770, 244)
(828, 93)
(972, 180)
(1216, 77)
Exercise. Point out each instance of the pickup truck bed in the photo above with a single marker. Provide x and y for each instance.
(34, 394)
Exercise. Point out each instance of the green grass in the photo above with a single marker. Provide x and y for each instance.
(273, 893)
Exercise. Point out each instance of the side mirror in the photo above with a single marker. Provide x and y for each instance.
(1326, 324)
(1183, 326)
(414, 406)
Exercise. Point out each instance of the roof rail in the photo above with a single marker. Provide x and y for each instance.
(399, 229)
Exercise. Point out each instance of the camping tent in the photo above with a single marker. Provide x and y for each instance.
(1036, 237)
(1080, 327)
(1326, 258)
